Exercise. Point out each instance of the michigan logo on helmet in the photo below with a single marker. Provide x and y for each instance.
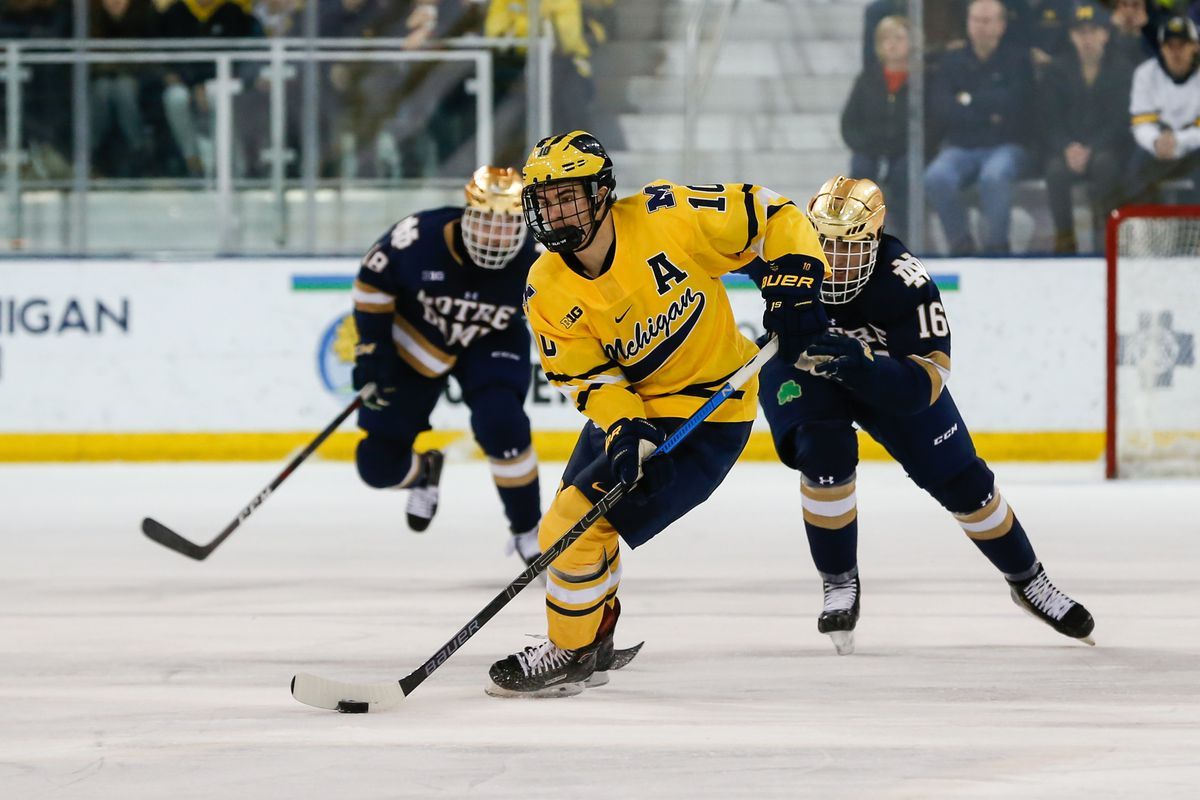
(569, 185)
(848, 215)
(492, 228)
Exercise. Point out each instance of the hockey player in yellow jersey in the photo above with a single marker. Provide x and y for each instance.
(633, 324)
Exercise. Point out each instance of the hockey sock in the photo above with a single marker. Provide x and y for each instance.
(517, 483)
(831, 523)
(584, 579)
(998, 534)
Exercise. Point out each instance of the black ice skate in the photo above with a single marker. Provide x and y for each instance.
(544, 670)
(423, 496)
(840, 614)
(1040, 597)
(547, 670)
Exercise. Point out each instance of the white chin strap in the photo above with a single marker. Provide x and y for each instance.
(856, 259)
(492, 238)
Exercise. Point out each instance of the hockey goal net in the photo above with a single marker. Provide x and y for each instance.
(1153, 327)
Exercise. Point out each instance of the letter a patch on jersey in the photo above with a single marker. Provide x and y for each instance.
(665, 273)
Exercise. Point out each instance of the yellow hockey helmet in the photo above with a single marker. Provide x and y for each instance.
(562, 198)
(492, 228)
(848, 215)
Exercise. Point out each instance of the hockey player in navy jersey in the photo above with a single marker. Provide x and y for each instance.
(883, 365)
(440, 295)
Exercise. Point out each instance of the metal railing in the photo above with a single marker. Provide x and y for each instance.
(276, 55)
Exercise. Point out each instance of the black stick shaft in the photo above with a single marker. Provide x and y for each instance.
(172, 540)
(414, 679)
(418, 676)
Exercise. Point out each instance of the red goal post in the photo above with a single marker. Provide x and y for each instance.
(1153, 378)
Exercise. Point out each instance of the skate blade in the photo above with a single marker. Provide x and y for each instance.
(1088, 640)
(843, 642)
(561, 690)
(622, 656)
(596, 679)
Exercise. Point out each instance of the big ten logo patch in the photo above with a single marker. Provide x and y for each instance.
(571, 317)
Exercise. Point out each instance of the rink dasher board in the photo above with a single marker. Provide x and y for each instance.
(243, 358)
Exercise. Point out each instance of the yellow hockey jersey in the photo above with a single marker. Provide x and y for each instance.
(654, 334)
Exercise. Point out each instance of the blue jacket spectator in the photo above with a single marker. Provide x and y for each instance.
(980, 96)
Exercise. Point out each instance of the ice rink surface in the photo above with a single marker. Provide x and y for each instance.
(128, 671)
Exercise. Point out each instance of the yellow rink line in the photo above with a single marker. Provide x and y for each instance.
(551, 446)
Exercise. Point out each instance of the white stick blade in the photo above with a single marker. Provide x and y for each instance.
(318, 692)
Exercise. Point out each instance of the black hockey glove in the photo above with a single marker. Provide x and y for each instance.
(377, 364)
(629, 444)
(792, 291)
(843, 358)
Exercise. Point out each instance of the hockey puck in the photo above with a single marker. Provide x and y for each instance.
(352, 707)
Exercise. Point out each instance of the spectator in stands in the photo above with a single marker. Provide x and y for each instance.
(121, 143)
(980, 96)
(945, 22)
(362, 97)
(1048, 21)
(47, 90)
(252, 105)
(1083, 110)
(1039, 25)
(875, 120)
(1129, 19)
(1164, 106)
(186, 97)
(279, 18)
(571, 62)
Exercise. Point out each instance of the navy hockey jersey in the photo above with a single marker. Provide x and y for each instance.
(417, 286)
(899, 312)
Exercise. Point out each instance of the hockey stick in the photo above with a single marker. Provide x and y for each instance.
(360, 698)
(169, 538)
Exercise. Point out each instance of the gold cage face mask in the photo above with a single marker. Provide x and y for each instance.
(848, 215)
(492, 226)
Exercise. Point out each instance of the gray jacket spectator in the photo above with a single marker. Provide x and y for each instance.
(1083, 110)
(980, 96)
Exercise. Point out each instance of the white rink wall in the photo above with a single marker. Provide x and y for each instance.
(251, 347)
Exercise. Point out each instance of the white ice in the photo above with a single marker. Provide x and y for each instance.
(128, 671)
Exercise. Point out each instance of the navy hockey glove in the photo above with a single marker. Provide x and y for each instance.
(792, 291)
(376, 364)
(843, 358)
(628, 445)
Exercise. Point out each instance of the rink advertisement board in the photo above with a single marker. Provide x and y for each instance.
(242, 358)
